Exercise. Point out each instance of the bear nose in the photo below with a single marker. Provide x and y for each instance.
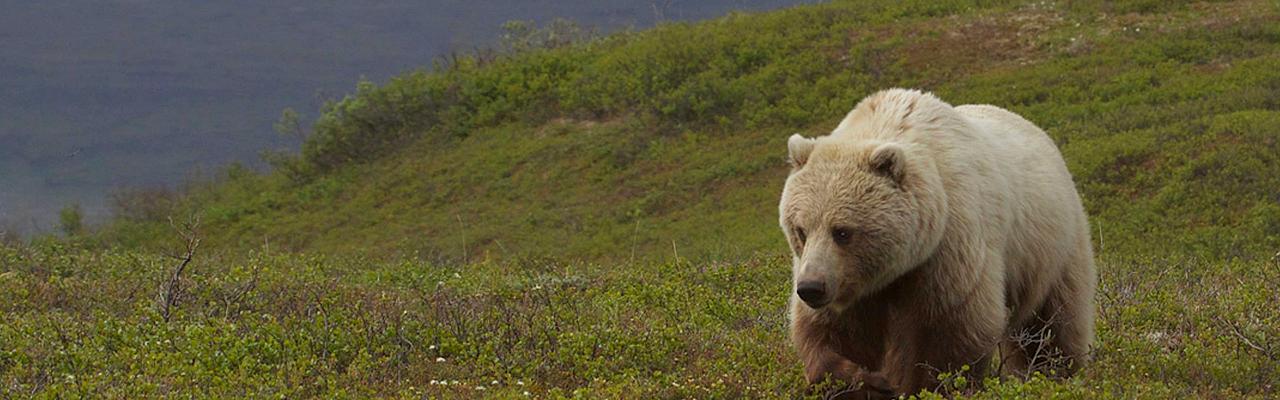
(812, 293)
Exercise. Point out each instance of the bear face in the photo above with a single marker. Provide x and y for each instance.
(857, 215)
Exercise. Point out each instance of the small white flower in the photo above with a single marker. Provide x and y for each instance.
(457, 275)
(431, 347)
(521, 383)
(440, 359)
(479, 387)
(494, 383)
(526, 393)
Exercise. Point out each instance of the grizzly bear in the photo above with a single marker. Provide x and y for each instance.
(926, 236)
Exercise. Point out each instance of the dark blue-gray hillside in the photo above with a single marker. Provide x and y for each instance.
(96, 95)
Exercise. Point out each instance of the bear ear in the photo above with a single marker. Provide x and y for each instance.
(798, 149)
(889, 160)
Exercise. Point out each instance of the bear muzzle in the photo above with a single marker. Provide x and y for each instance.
(813, 293)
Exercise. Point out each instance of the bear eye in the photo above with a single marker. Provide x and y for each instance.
(841, 235)
(800, 235)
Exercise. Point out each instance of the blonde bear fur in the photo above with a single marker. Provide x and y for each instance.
(935, 235)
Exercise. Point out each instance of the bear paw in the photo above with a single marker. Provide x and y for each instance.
(869, 386)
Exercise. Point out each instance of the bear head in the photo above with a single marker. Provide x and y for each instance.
(858, 214)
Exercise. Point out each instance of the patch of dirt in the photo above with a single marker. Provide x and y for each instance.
(980, 43)
(956, 45)
(1220, 16)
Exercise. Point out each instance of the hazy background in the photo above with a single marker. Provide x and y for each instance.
(96, 95)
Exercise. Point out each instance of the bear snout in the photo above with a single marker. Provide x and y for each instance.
(813, 293)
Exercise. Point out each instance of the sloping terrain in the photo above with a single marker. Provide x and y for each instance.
(142, 92)
(599, 221)
(675, 137)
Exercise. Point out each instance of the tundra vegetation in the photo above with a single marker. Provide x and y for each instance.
(596, 217)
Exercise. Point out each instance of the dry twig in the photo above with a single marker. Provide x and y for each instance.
(172, 288)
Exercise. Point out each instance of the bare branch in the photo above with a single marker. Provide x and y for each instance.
(1266, 349)
(172, 288)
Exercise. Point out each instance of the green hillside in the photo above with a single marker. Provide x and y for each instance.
(599, 219)
(675, 137)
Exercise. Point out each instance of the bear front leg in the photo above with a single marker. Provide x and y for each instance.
(821, 364)
(831, 348)
(920, 350)
(854, 382)
(916, 360)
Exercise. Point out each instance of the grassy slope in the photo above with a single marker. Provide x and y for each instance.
(680, 132)
(670, 142)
